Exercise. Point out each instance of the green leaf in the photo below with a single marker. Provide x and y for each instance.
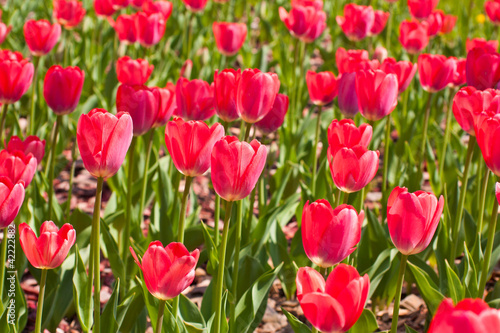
(427, 288)
(457, 292)
(108, 317)
(116, 263)
(190, 313)
(84, 305)
(408, 329)
(297, 325)
(366, 323)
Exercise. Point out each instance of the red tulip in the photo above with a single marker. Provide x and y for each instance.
(486, 126)
(126, 28)
(41, 36)
(229, 37)
(469, 315)
(469, 102)
(322, 87)
(316, 28)
(104, 8)
(165, 99)
(150, 28)
(412, 219)
(162, 6)
(421, 9)
(435, 71)
(17, 166)
(140, 103)
(379, 23)
(344, 133)
(275, 118)
(169, 270)
(347, 97)
(31, 145)
(304, 21)
(195, 5)
(50, 249)
(493, 10)
(336, 305)
(352, 168)
(491, 46)
(139, 3)
(256, 94)
(69, 13)
(225, 88)
(4, 30)
(317, 4)
(190, 144)
(12, 197)
(435, 22)
(449, 22)
(459, 74)
(236, 167)
(16, 75)
(404, 70)
(482, 68)
(377, 93)
(133, 71)
(195, 99)
(120, 4)
(62, 88)
(357, 21)
(330, 235)
(413, 36)
(351, 61)
(103, 140)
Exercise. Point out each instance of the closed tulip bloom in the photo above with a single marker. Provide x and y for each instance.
(333, 306)
(436, 71)
(344, 133)
(104, 8)
(377, 93)
(140, 103)
(165, 99)
(357, 21)
(225, 88)
(229, 37)
(31, 145)
(50, 249)
(492, 8)
(412, 219)
(195, 5)
(236, 167)
(491, 46)
(126, 28)
(487, 129)
(162, 6)
(150, 28)
(190, 144)
(350, 61)
(469, 315)
(133, 71)
(41, 36)
(352, 168)
(449, 22)
(306, 20)
(195, 99)
(330, 235)
(316, 28)
(17, 166)
(317, 4)
(435, 22)
(168, 270)
(482, 68)
(379, 23)
(322, 87)
(62, 88)
(459, 74)
(413, 36)
(404, 70)
(103, 140)
(347, 97)
(11, 200)
(275, 118)
(421, 9)
(256, 94)
(69, 13)
(16, 75)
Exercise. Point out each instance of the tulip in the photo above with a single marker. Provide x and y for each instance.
(103, 140)
(404, 70)
(351, 61)
(459, 74)
(435, 71)
(435, 22)
(377, 93)
(141, 103)
(4, 30)
(225, 88)
(344, 133)
(62, 88)
(490, 46)
(486, 125)
(357, 21)
(31, 145)
(69, 13)
(305, 21)
(469, 315)
(469, 102)
(120, 4)
(195, 99)
(229, 37)
(482, 68)
(317, 4)
(449, 22)
(138, 3)
(12, 198)
(413, 36)
(133, 72)
(150, 28)
(162, 6)
(16, 75)
(17, 166)
(347, 97)
(165, 98)
(322, 87)
(236, 166)
(316, 28)
(104, 8)
(41, 36)
(126, 28)
(190, 144)
(335, 305)
(275, 118)
(379, 23)
(195, 5)
(352, 168)
(330, 235)
(421, 9)
(492, 8)
(256, 94)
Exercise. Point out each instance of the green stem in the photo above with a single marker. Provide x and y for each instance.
(71, 178)
(149, 141)
(399, 287)
(315, 151)
(386, 153)
(346, 198)
(161, 312)
(216, 219)
(236, 267)
(362, 201)
(291, 113)
(3, 259)
(262, 194)
(424, 138)
(220, 272)
(489, 248)
(338, 197)
(247, 131)
(41, 295)
(190, 35)
(301, 78)
(461, 200)
(389, 28)
(2, 122)
(482, 201)
(128, 215)
(446, 139)
(55, 135)
(406, 96)
(96, 252)
(33, 96)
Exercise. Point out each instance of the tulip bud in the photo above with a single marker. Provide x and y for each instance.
(41, 36)
(17, 166)
(490, 46)
(150, 28)
(322, 87)
(404, 70)
(31, 145)
(347, 97)
(379, 23)
(195, 99)
(492, 9)
(140, 103)
(16, 75)
(161, 6)
(482, 68)
(62, 88)
(165, 99)
(104, 8)
(229, 37)
(275, 118)
(133, 72)
(68, 13)
(12, 197)
(126, 28)
(421, 9)
(344, 133)
(357, 21)
(225, 88)
(435, 71)
(413, 36)
(377, 93)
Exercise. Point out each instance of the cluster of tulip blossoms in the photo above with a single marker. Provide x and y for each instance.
(333, 296)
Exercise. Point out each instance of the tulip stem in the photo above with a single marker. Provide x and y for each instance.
(149, 141)
(41, 295)
(71, 178)
(236, 266)
(3, 259)
(190, 35)
(399, 288)
(216, 219)
(128, 215)
(346, 198)
(33, 96)
(2, 123)
(446, 138)
(248, 222)
(315, 151)
(461, 201)
(161, 312)
(96, 253)
(51, 166)
(424, 138)
(482, 201)
(247, 131)
(220, 272)
(386, 153)
(488, 251)
(389, 28)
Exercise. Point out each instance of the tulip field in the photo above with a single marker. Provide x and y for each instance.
(307, 166)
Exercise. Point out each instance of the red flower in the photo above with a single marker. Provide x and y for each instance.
(133, 71)
(469, 102)
(50, 249)
(126, 28)
(275, 118)
(492, 8)
(229, 37)
(344, 133)
(413, 36)
(377, 93)
(161, 6)
(140, 103)
(195, 5)
(150, 28)
(435, 22)
(486, 126)
(435, 71)
(120, 4)
(347, 97)
(31, 145)
(62, 88)
(357, 21)
(104, 8)
(449, 22)
(305, 20)
(12, 197)
(322, 87)
(490, 46)
(225, 88)
(17, 166)
(16, 75)
(351, 61)
(482, 68)
(190, 144)
(421, 9)
(103, 140)
(412, 219)
(165, 98)
(69, 13)
(195, 99)
(379, 23)
(459, 75)
(404, 70)
(336, 305)
(41, 36)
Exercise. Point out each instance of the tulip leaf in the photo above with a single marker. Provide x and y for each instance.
(108, 316)
(113, 254)
(455, 289)
(427, 288)
(408, 329)
(297, 325)
(190, 312)
(131, 313)
(366, 323)
(81, 284)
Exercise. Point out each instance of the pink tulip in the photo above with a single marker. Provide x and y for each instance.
(165, 99)
(322, 87)
(357, 21)
(16, 75)
(31, 145)
(275, 118)
(413, 36)
(41, 36)
(225, 88)
(347, 97)
(421, 9)
(229, 37)
(195, 99)
(377, 93)
(133, 71)
(17, 166)
(491, 46)
(12, 197)
(404, 70)
(344, 133)
(482, 68)
(141, 103)
(435, 71)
